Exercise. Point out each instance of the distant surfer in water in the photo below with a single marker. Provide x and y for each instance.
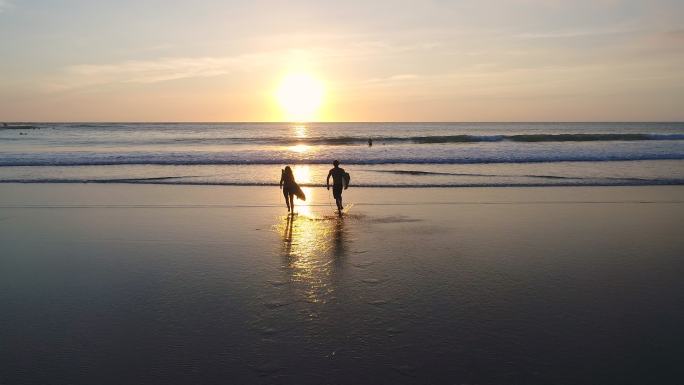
(290, 188)
(340, 181)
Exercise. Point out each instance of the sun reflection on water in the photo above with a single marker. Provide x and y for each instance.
(300, 131)
(302, 174)
(300, 148)
(312, 249)
(312, 245)
(304, 207)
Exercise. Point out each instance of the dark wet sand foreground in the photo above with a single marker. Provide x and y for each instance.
(143, 284)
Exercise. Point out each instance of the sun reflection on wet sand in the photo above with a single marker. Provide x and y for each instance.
(312, 249)
(312, 245)
(304, 208)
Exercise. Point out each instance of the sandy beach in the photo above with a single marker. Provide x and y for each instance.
(114, 284)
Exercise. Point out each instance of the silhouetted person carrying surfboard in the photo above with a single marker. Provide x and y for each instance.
(340, 181)
(290, 188)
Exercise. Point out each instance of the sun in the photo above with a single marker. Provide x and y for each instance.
(300, 96)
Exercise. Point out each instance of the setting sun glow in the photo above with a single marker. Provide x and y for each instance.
(300, 96)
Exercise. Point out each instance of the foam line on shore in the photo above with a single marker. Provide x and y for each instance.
(204, 206)
(599, 181)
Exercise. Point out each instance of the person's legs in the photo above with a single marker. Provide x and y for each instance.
(292, 202)
(337, 193)
(287, 202)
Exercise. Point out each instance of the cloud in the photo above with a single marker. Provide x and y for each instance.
(575, 33)
(152, 71)
(391, 80)
(175, 68)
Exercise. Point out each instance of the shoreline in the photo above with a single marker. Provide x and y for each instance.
(363, 186)
(641, 173)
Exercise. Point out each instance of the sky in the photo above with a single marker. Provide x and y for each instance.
(399, 60)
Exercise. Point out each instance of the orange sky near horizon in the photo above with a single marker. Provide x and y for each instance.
(507, 60)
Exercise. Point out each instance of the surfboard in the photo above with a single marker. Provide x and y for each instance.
(299, 193)
(347, 179)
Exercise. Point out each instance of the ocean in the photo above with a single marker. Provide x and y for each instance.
(402, 154)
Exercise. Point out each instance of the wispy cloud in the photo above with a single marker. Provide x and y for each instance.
(575, 33)
(175, 68)
(394, 79)
(152, 71)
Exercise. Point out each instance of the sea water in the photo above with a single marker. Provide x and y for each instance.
(401, 154)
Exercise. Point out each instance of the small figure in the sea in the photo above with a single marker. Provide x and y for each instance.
(290, 188)
(340, 181)
(370, 142)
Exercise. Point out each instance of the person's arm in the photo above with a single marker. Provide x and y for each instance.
(281, 180)
(327, 180)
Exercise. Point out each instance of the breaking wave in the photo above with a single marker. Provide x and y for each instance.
(214, 158)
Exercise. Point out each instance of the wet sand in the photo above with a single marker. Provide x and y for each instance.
(114, 284)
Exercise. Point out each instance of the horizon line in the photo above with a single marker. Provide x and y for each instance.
(331, 121)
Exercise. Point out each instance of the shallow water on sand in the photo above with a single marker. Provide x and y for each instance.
(482, 292)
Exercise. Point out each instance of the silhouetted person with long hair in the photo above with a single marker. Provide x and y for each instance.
(287, 182)
(290, 188)
(340, 181)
